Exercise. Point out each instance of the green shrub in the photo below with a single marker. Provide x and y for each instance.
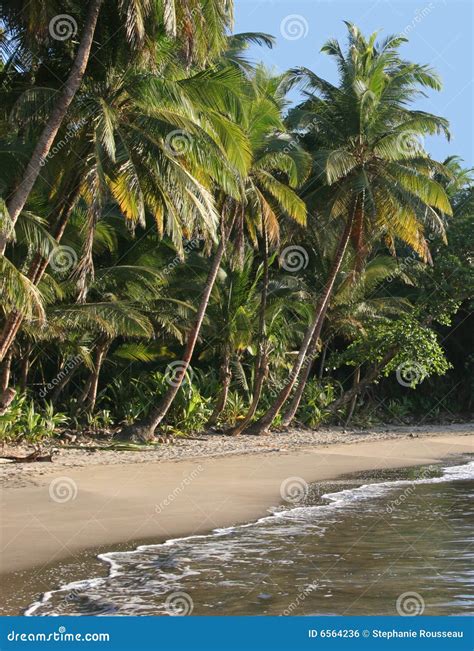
(22, 421)
(317, 397)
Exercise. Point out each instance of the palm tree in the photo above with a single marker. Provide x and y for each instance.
(45, 141)
(356, 300)
(200, 25)
(231, 322)
(122, 147)
(363, 136)
(264, 192)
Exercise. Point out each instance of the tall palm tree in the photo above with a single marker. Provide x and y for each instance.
(363, 136)
(200, 25)
(231, 321)
(123, 146)
(277, 166)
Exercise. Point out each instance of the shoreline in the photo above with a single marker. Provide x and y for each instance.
(60, 520)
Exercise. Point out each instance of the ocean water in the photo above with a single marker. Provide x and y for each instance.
(386, 543)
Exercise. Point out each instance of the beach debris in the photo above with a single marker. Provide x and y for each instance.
(35, 457)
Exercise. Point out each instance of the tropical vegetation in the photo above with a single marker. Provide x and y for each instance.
(183, 248)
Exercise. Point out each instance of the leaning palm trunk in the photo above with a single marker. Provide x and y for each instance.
(145, 428)
(6, 372)
(257, 393)
(304, 374)
(7, 394)
(353, 402)
(263, 424)
(225, 377)
(46, 139)
(100, 354)
(261, 364)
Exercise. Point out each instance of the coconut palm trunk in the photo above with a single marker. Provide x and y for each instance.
(263, 424)
(356, 236)
(100, 355)
(304, 374)
(261, 364)
(353, 402)
(6, 372)
(225, 377)
(323, 361)
(25, 366)
(144, 429)
(20, 195)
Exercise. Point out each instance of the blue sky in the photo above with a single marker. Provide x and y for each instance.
(440, 33)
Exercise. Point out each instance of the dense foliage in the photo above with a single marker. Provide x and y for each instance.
(183, 249)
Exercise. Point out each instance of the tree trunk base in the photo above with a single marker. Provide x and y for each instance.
(136, 434)
(234, 431)
(257, 429)
(6, 398)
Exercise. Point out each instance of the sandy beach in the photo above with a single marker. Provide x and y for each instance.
(63, 513)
